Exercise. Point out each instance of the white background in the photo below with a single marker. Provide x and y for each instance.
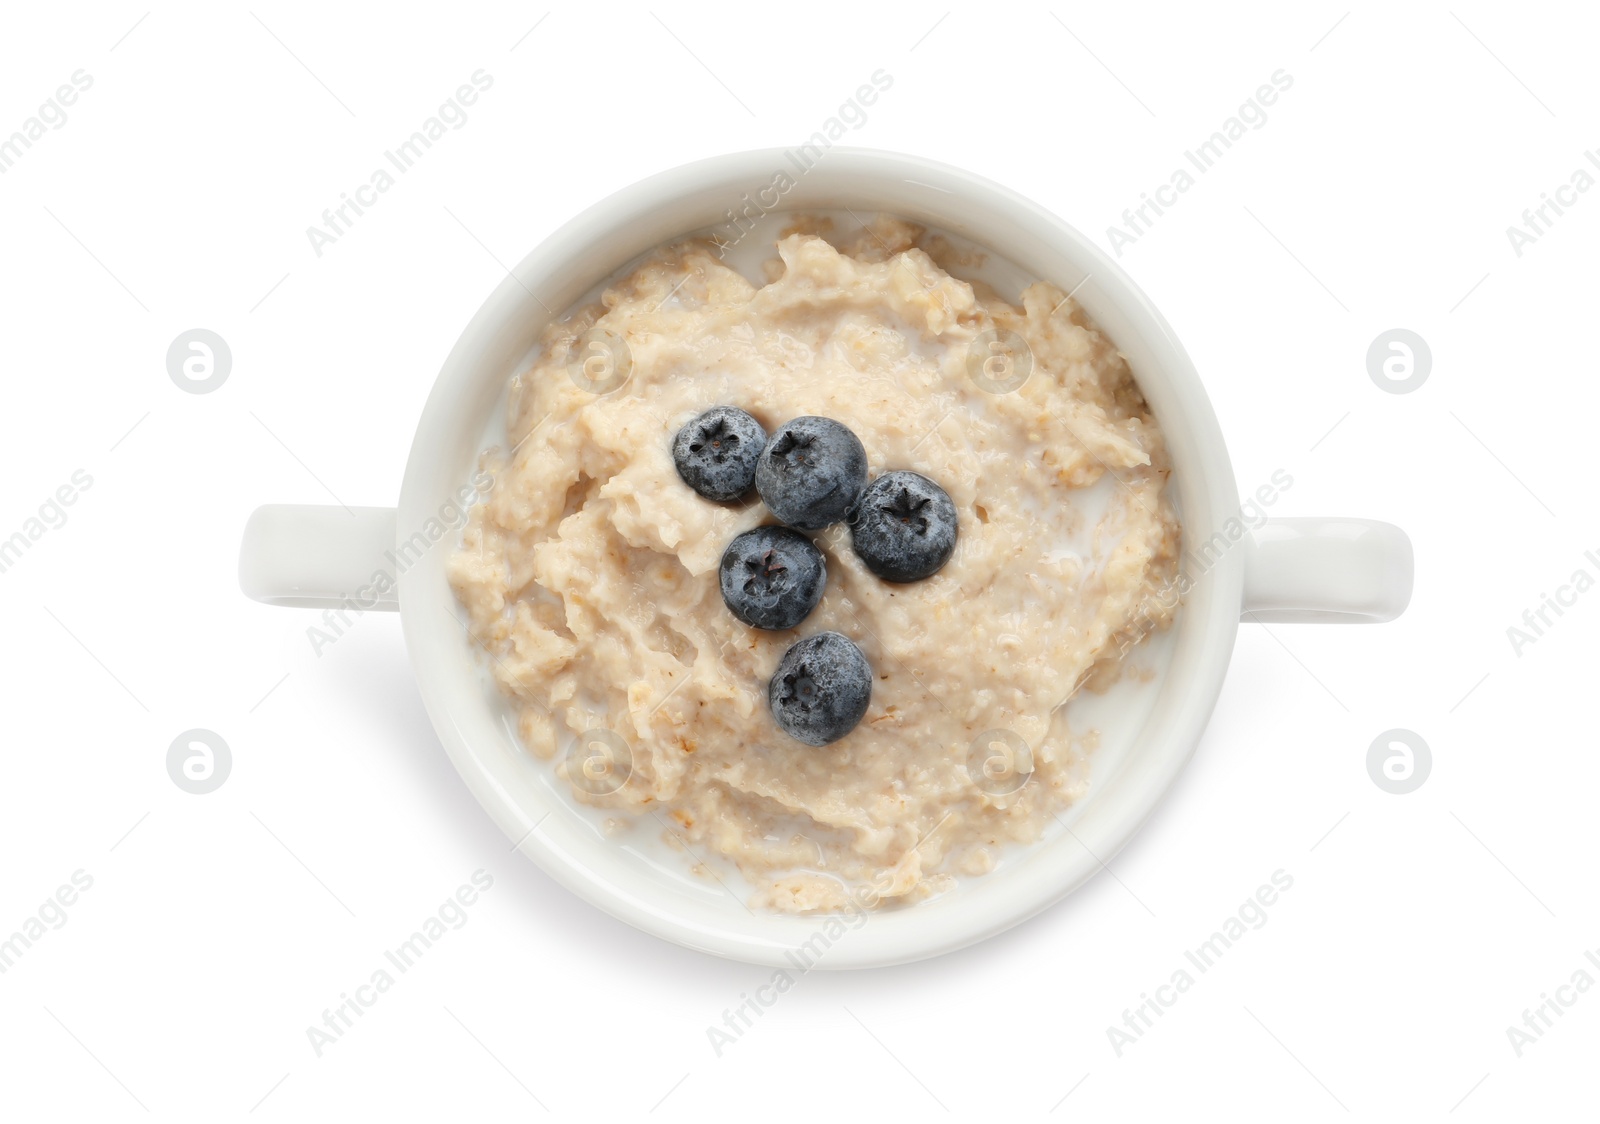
(220, 927)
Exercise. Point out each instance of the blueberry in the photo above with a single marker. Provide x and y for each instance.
(772, 577)
(811, 472)
(821, 688)
(905, 527)
(716, 453)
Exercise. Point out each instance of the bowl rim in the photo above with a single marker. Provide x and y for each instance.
(566, 265)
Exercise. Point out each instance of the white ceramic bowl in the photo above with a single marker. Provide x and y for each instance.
(1283, 570)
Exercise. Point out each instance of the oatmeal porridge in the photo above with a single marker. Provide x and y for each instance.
(590, 574)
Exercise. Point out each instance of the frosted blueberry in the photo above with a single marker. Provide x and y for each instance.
(905, 527)
(821, 689)
(716, 453)
(772, 577)
(811, 472)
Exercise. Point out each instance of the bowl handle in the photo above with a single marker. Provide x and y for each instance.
(322, 557)
(1303, 571)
